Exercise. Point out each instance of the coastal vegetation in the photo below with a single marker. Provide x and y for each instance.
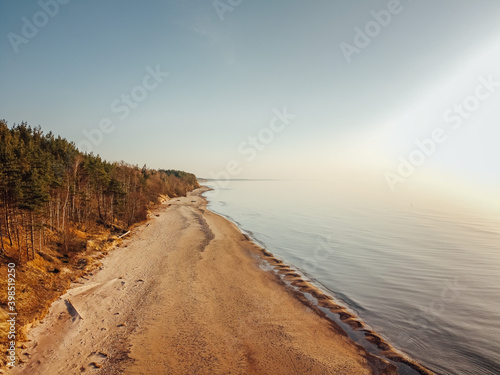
(61, 209)
(49, 190)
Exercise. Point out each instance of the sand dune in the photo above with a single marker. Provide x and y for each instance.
(187, 294)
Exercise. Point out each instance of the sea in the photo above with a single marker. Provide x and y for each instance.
(424, 275)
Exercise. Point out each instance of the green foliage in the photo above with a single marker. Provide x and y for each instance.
(48, 181)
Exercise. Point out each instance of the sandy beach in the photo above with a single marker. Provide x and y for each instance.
(188, 293)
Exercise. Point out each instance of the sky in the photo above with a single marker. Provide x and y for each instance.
(399, 93)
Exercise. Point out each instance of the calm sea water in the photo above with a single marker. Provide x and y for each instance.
(425, 277)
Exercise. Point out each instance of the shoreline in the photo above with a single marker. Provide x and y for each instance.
(187, 293)
(312, 293)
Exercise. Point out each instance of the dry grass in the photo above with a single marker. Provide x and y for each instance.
(42, 280)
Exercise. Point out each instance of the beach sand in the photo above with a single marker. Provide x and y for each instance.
(188, 293)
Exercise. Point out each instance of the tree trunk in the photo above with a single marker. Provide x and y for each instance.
(23, 224)
(64, 217)
(49, 204)
(58, 212)
(111, 209)
(2, 249)
(43, 234)
(99, 207)
(7, 223)
(32, 236)
(16, 218)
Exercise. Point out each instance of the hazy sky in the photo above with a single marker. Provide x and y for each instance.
(364, 79)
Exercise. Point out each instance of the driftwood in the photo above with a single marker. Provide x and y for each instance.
(123, 235)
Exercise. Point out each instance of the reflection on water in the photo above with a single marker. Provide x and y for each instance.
(425, 277)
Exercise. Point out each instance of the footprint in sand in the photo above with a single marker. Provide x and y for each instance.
(97, 359)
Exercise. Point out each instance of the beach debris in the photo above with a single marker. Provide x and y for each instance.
(123, 235)
(72, 310)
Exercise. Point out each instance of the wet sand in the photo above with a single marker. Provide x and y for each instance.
(188, 293)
